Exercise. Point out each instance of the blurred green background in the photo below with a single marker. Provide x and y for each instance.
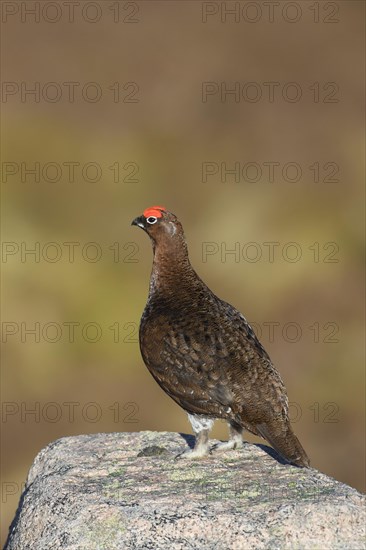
(160, 133)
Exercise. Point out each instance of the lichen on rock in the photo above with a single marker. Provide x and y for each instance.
(127, 490)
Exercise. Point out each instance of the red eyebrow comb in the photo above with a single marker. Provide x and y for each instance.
(154, 211)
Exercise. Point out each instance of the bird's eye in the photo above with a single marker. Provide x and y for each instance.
(151, 220)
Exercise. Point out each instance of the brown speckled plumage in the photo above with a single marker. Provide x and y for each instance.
(203, 352)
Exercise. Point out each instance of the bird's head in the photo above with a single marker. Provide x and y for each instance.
(160, 224)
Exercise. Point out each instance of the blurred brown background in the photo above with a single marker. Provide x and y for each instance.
(121, 98)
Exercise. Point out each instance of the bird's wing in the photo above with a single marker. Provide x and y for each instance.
(210, 362)
(259, 392)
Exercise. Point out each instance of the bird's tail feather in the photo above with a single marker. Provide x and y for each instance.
(285, 442)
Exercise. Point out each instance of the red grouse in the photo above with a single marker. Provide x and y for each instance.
(203, 352)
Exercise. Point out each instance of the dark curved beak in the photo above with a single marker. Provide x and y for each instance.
(139, 221)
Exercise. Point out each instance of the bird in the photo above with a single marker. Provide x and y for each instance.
(205, 355)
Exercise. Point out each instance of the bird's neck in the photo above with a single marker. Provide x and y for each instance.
(171, 269)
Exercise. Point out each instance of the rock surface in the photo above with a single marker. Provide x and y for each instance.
(127, 490)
